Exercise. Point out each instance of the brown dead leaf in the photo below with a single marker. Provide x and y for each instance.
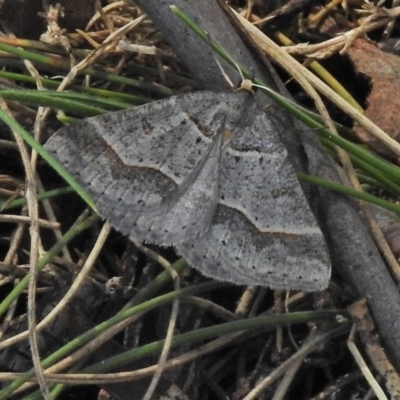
(383, 69)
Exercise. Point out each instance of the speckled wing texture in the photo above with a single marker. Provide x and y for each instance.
(207, 173)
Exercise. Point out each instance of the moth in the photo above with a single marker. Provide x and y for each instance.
(207, 173)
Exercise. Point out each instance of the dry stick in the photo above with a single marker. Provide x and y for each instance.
(246, 301)
(39, 123)
(287, 379)
(39, 120)
(249, 9)
(31, 196)
(290, 334)
(81, 277)
(106, 19)
(257, 302)
(33, 259)
(306, 79)
(8, 144)
(278, 308)
(41, 116)
(19, 219)
(106, 9)
(9, 259)
(30, 168)
(323, 12)
(211, 307)
(52, 219)
(167, 345)
(380, 394)
(244, 306)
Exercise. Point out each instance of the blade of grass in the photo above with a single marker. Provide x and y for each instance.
(350, 192)
(83, 104)
(41, 99)
(41, 196)
(51, 83)
(375, 173)
(214, 331)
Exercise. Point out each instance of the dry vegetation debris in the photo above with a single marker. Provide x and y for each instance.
(108, 50)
